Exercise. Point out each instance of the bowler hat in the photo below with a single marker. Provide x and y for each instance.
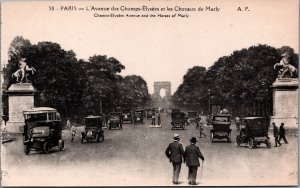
(176, 136)
(193, 140)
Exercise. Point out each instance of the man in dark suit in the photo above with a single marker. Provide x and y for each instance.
(175, 153)
(276, 135)
(192, 155)
(282, 134)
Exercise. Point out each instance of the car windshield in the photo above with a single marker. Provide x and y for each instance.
(221, 119)
(192, 114)
(92, 122)
(114, 116)
(36, 117)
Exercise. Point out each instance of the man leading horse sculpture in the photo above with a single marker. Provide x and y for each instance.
(23, 71)
(285, 67)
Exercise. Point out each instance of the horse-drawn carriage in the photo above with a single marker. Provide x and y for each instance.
(221, 127)
(254, 132)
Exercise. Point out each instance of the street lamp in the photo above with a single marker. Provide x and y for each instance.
(208, 92)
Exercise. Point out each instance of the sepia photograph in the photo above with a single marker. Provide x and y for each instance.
(149, 93)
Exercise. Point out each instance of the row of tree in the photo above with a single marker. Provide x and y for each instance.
(75, 87)
(240, 82)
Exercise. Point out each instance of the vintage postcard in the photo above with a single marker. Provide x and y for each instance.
(149, 93)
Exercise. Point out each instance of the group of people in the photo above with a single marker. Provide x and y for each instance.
(153, 119)
(176, 154)
(279, 134)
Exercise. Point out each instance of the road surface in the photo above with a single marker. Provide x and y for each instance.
(135, 156)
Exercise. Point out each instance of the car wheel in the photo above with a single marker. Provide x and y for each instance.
(109, 127)
(26, 149)
(61, 145)
(102, 138)
(97, 138)
(238, 142)
(250, 143)
(212, 137)
(46, 147)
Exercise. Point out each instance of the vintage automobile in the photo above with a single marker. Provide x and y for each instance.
(42, 129)
(221, 123)
(127, 115)
(138, 116)
(254, 131)
(115, 120)
(178, 120)
(92, 129)
(192, 115)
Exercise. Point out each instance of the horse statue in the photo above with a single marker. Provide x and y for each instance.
(23, 71)
(285, 67)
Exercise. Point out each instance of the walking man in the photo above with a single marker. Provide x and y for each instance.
(192, 155)
(73, 132)
(153, 119)
(276, 135)
(282, 133)
(175, 153)
(158, 119)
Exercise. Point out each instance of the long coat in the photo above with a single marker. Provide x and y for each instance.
(192, 155)
(175, 152)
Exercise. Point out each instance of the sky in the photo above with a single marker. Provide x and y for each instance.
(158, 49)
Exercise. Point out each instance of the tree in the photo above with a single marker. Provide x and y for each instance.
(132, 92)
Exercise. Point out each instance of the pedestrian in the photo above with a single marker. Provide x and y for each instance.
(153, 119)
(192, 155)
(175, 153)
(276, 135)
(68, 123)
(237, 123)
(158, 119)
(73, 132)
(198, 119)
(282, 133)
(201, 130)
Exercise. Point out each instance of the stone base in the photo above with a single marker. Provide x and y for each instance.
(285, 102)
(14, 127)
(289, 122)
(20, 98)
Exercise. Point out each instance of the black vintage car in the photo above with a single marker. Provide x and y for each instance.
(192, 115)
(254, 131)
(42, 130)
(221, 127)
(178, 120)
(138, 116)
(92, 129)
(115, 120)
(127, 116)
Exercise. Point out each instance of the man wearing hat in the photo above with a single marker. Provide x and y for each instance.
(282, 133)
(276, 135)
(175, 153)
(192, 155)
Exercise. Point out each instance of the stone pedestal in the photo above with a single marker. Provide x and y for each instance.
(20, 98)
(285, 102)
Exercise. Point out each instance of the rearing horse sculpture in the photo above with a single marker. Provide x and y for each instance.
(285, 67)
(22, 73)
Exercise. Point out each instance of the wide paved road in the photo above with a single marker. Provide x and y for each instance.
(135, 156)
